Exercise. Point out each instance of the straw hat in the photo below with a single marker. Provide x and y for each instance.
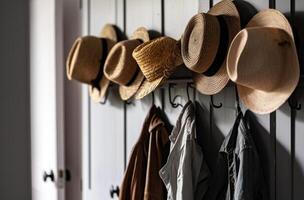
(120, 66)
(205, 44)
(86, 60)
(263, 62)
(157, 60)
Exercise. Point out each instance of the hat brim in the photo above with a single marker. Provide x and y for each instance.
(97, 95)
(142, 34)
(148, 87)
(126, 92)
(109, 31)
(211, 85)
(271, 18)
(262, 102)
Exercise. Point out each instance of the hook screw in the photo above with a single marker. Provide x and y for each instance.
(214, 105)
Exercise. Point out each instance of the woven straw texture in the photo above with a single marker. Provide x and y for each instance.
(121, 67)
(141, 34)
(83, 62)
(157, 60)
(200, 42)
(265, 82)
(214, 84)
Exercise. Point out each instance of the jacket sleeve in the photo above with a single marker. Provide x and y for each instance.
(154, 187)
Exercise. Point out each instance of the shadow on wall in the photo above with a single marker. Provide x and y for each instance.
(211, 141)
(299, 39)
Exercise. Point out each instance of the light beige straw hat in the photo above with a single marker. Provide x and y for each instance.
(157, 60)
(263, 62)
(205, 44)
(120, 66)
(86, 60)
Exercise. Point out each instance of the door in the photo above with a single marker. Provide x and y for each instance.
(46, 94)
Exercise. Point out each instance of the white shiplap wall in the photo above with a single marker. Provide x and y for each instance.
(281, 148)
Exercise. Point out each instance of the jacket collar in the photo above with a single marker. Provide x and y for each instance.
(230, 141)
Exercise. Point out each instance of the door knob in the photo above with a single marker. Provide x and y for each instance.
(47, 176)
(114, 191)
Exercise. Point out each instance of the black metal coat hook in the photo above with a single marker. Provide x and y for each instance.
(214, 105)
(172, 102)
(189, 85)
(129, 102)
(294, 105)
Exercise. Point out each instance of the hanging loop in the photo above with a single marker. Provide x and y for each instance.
(214, 105)
(172, 102)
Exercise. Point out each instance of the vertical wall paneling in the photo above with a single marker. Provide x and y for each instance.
(298, 160)
(139, 13)
(283, 136)
(265, 138)
(297, 7)
(278, 136)
(177, 15)
(105, 136)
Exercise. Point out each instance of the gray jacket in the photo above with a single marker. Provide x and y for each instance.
(239, 174)
(186, 173)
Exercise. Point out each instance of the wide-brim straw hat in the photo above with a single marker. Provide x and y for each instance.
(86, 59)
(263, 62)
(121, 67)
(157, 59)
(205, 44)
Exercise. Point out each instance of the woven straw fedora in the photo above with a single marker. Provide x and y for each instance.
(86, 60)
(205, 45)
(263, 62)
(120, 66)
(157, 60)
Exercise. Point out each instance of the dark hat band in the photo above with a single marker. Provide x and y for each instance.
(136, 72)
(222, 49)
(104, 45)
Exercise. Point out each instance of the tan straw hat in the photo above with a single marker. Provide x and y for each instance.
(157, 60)
(86, 60)
(205, 43)
(120, 66)
(263, 62)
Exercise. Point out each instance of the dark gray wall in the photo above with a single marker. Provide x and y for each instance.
(15, 137)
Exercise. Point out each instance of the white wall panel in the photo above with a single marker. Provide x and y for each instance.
(273, 131)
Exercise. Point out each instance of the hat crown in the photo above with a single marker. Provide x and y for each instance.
(120, 66)
(200, 42)
(83, 63)
(158, 58)
(266, 68)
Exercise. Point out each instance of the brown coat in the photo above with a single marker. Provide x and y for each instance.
(141, 180)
